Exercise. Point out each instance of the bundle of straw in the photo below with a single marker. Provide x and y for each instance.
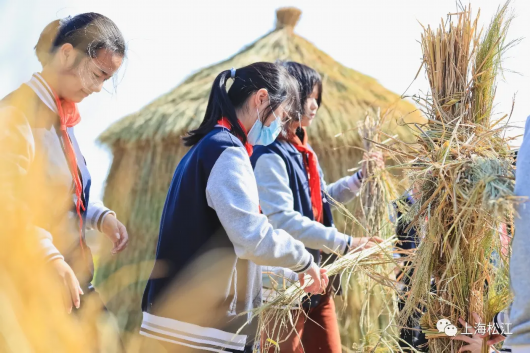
(369, 310)
(276, 317)
(463, 167)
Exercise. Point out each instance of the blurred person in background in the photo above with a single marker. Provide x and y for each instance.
(44, 179)
(294, 197)
(213, 238)
(520, 258)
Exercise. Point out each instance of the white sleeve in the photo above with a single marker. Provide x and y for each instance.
(345, 189)
(17, 148)
(276, 200)
(48, 250)
(232, 192)
(96, 212)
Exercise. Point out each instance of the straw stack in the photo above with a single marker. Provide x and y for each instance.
(463, 167)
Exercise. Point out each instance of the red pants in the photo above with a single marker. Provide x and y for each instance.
(318, 331)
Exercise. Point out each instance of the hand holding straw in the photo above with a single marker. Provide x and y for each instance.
(278, 311)
(308, 282)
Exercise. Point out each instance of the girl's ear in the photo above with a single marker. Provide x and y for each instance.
(261, 97)
(67, 55)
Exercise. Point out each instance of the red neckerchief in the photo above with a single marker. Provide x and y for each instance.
(225, 123)
(311, 166)
(69, 117)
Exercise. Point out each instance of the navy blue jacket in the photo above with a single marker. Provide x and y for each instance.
(211, 230)
(299, 185)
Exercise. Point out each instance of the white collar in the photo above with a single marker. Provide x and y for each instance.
(43, 91)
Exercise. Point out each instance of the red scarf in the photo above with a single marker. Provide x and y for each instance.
(69, 117)
(225, 123)
(311, 166)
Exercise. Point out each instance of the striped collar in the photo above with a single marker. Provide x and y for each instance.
(43, 91)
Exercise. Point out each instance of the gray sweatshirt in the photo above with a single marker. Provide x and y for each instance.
(520, 260)
(276, 201)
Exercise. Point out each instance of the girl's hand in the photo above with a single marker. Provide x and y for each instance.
(364, 243)
(475, 341)
(71, 289)
(317, 279)
(377, 157)
(116, 232)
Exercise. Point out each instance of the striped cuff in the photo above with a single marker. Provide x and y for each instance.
(96, 214)
(307, 265)
(348, 245)
(50, 252)
(102, 217)
(499, 320)
(355, 181)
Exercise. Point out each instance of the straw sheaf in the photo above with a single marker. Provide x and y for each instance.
(464, 179)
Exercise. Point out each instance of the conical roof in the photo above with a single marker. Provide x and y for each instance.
(347, 93)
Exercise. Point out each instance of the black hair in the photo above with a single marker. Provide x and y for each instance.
(281, 86)
(307, 79)
(87, 32)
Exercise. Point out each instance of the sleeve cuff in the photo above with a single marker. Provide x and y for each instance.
(102, 217)
(354, 181)
(499, 320)
(307, 264)
(95, 215)
(348, 245)
(50, 252)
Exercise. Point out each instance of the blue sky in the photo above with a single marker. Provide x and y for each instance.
(169, 40)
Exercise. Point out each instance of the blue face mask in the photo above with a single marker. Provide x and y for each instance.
(264, 135)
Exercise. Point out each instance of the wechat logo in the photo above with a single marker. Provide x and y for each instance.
(444, 325)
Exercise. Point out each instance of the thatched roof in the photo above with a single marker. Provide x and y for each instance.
(347, 93)
(147, 147)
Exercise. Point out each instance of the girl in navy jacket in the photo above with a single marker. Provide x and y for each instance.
(213, 238)
(293, 195)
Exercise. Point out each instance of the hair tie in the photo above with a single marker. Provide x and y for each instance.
(233, 73)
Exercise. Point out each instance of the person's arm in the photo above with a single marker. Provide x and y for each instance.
(232, 192)
(96, 213)
(17, 151)
(520, 258)
(105, 221)
(277, 204)
(345, 189)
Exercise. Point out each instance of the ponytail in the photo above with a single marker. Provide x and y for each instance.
(280, 86)
(219, 105)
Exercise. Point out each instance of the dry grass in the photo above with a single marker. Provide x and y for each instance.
(369, 313)
(463, 167)
(275, 317)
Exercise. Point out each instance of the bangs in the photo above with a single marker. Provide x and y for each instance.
(307, 79)
(293, 106)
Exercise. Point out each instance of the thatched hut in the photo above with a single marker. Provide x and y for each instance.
(147, 146)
